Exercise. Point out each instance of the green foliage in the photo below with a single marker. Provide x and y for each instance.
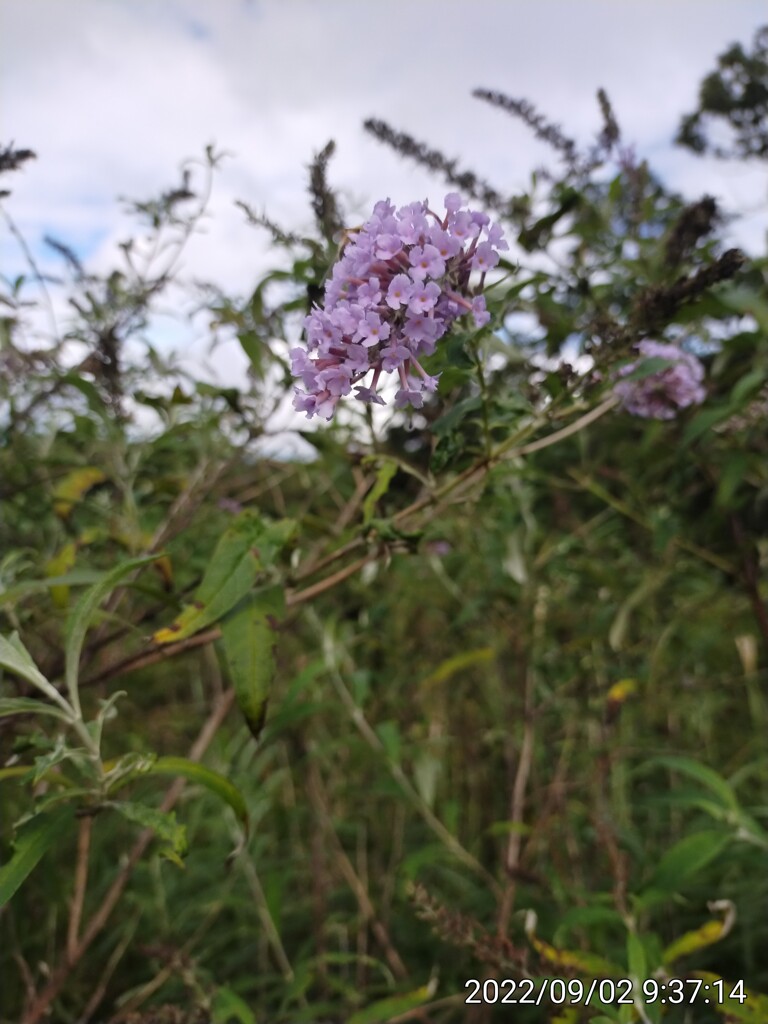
(512, 649)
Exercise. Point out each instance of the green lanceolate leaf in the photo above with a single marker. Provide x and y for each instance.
(76, 578)
(28, 706)
(86, 608)
(213, 781)
(227, 1008)
(380, 487)
(244, 551)
(686, 859)
(34, 838)
(249, 637)
(16, 658)
(701, 773)
(393, 1006)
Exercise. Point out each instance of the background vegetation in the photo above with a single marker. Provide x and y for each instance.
(514, 645)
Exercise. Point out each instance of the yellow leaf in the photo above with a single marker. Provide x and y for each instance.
(566, 959)
(73, 487)
(455, 664)
(621, 691)
(59, 565)
(706, 935)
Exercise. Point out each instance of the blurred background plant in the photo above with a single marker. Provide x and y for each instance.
(500, 662)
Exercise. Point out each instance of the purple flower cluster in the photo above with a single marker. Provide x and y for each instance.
(398, 287)
(662, 394)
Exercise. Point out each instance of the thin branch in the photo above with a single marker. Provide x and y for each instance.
(81, 882)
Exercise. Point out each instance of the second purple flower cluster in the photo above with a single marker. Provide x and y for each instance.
(398, 287)
(660, 395)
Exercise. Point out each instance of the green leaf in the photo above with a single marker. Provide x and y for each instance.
(748, 386)
(28, 706)
(213, 781)
(705, 420)
(162, 823)
(687, 858)
(636, 959)
(227, 1007)
(249, 636)
(701, 773)
(34, 838)
(384, 477)
(457, 663)
(85, 610)
(16, 658)
(453, 417)
(393, 1006)
(76, 578)
(243, 552)
(647, 367)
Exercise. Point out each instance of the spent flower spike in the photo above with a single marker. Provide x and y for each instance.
(397, 288)
(662, 394)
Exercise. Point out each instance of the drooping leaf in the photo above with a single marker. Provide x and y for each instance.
(248, 547)
(569, 959)
(34, 838)
(215, 782)
(709, 933)
(249, 636)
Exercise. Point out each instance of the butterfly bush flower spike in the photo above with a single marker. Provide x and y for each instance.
(662, 394)
(398, 287)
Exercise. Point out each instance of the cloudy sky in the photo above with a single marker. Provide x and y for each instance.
(114, 94)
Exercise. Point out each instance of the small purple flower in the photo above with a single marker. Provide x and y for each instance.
(485, 257)
(387, 246)
(368, 395)
(423, 297)
(369, 293)
(302, 366)
(480, 314)
(420, 327)
(453, 202)
(660, 395)
(496, 237)
(399, 291)
(460, 226)
(426, 260)
(336, 380)
(372, 330)
(406, 396)
(393, 356)
(445, 245)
